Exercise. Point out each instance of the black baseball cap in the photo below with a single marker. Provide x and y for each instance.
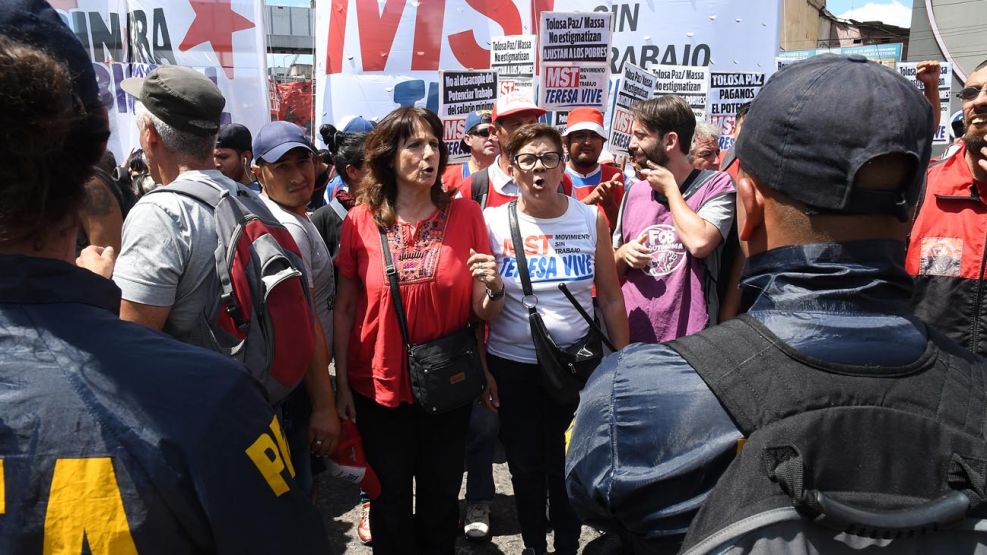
(35, 23)
(181, 97)
(818, 121)
(234, 136)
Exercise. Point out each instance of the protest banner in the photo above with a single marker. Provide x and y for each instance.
(886, 54)
(691, 83)
(372, 57)
(727, 93)
(909, 70)
(574, 50)
(225, 40)
(637, 84)
(513, 58)
(460, 93)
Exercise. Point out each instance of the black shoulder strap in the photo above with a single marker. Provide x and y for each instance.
(392, 279)
(111, 184)
(479, 183)
(715, 353)
(522, 261)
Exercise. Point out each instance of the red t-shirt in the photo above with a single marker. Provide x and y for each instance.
(453, 177)
(436, 289)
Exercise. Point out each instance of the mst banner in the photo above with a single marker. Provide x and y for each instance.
(373, 56)
(224, 39)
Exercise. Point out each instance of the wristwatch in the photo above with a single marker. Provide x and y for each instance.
(494, 296)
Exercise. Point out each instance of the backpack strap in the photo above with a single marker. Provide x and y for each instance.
(338, 208)
(195, 190)
(213, 196)
(715, 353)
(479, 185)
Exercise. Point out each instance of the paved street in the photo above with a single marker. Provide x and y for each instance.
(338, 502)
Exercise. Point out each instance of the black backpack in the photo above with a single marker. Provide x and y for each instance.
(839, 458)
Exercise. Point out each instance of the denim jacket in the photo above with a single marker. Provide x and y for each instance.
(650, 440)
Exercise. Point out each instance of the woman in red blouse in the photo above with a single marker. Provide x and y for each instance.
(447, 275)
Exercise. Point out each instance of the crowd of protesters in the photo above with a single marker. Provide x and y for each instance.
(124, 429)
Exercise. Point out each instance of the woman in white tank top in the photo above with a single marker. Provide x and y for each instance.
(567, 242)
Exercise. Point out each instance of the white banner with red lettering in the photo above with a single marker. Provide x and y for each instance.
(372, 56)
(224, 39)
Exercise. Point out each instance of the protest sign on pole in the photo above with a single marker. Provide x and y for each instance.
(513, 58)
(691, 83)
(226, 41)
(727, 93)
(575, 60)
(909, 70)
(636, 85)
(462, 92)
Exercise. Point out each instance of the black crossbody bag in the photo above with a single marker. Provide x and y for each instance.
(564, 371)
(445, 373)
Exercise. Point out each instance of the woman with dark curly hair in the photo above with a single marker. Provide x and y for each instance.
(446, 275)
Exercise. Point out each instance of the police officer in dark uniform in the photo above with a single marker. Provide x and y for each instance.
(829, 388)
(113, 438)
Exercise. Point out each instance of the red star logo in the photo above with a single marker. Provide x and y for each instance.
(215, 22)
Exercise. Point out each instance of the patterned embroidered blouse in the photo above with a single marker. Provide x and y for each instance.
(436, 288)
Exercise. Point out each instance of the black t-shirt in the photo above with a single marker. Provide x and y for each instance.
(330, 227)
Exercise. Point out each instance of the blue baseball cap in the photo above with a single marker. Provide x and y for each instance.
(275, 139)
(358, 124)
(474, 120)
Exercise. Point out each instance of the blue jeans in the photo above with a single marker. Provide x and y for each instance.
(532, 429)
(481, 441)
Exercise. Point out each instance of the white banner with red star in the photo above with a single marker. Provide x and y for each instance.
(373, 56)
(225, 39)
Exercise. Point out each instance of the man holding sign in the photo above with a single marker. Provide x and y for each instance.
(670, 227)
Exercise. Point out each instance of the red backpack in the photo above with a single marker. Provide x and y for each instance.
(263, 315)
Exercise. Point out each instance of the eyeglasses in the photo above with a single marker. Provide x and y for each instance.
(969, 93)
(549, 160)
(485, 132)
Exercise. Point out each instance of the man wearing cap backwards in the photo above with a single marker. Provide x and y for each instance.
(115, 438)
(592, 182)
(822, 215)
(233, 154)
(947, 251)
(285, 166)
(167, 270)
(481, 142)
(671, 227)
